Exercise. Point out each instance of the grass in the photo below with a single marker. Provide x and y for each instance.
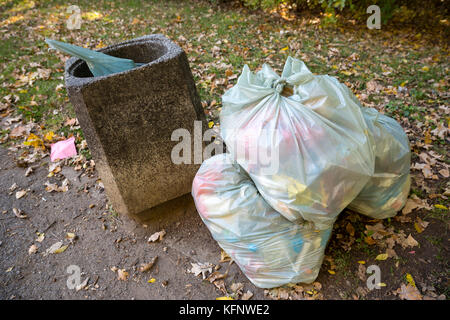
(219, 40)
(242, 42)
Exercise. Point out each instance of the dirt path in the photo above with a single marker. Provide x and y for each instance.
(106, 243)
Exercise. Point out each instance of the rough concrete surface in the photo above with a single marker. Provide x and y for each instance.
(128, 119)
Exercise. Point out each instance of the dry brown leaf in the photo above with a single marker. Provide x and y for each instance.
(349, 228)
(410, 241)
(237, 287)
(409, 292)
(224, 257)
(32, 249)
(220, 284)
(413, 203)
(247, 296)
(147, 266)
(201, 268)
(50, 187)
(157, 236)
(20, 194)
(19, 213)
(369, 241)
(122, 275)
(215, 276)
(362, 272)
(53, 248)
(444, 172)
(378, 231)
(18, 132)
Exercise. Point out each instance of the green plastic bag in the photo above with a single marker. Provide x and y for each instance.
(269, 249)
(99, 63)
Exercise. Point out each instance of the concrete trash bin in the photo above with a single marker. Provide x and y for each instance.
(127, 119)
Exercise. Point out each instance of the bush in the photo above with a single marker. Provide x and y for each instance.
(389, 8)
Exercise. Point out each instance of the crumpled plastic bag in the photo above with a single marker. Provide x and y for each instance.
(318, 135)
(99, 63)
(269, 249)
(63, 149)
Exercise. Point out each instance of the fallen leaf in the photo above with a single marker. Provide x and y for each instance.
(215, 276)
(408, 292)
(369, 240)
(41, 237)
(32, 249)
(18, 131)
(410, 241)
(60, 250)
(49, 136)
(82, 285)
(70, 235)
(438, 206)
(237, 287)
(50, 187)
(414, 203)
(247, 296)
(122, 275)
(29, 171)
(19, 213)
(444, 173)
(410, 279)
(35, 141)
(152, 280)
(220, 284)
(224, 257)
(201, 268)
(391, 253)
(20, 194)
(362, 272)
(70, 122)
(157, 236)
(382, 256)
(349, 228)
(147, 266)
(53, 248)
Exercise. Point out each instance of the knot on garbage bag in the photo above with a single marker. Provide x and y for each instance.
(279, 84)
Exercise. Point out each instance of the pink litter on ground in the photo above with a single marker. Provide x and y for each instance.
(63, 149)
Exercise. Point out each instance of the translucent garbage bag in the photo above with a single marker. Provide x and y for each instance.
(309, 154)
(100, 64)
(387, 191)
(270, 250)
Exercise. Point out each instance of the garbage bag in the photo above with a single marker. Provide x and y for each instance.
(318, 143)
(99, 63)
(270, 250)
(387, 190)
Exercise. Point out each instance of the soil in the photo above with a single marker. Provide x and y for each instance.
(106, 242)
